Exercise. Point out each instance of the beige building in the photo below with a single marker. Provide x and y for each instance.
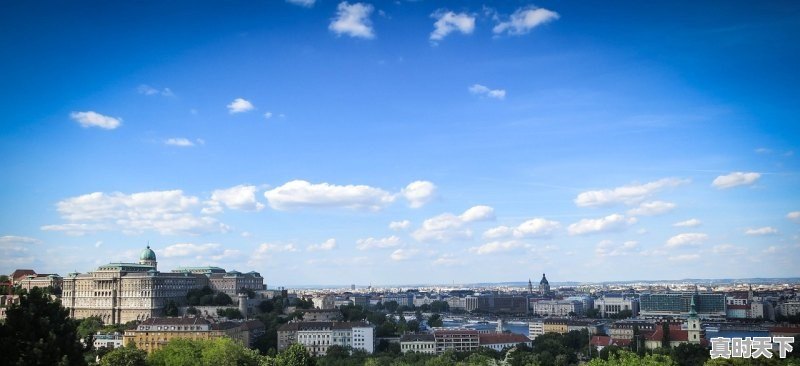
(122, 292)
(40, 281)
(154, 333)
(459, 340)
(421, 343)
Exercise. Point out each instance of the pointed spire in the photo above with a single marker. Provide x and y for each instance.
(693, 308)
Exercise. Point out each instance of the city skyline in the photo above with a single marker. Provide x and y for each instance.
(321, 142)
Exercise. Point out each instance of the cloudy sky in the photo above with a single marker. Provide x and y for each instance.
(326, 142)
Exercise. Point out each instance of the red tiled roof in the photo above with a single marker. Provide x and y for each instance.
(20, 273)
(675, 335)
(608, 341)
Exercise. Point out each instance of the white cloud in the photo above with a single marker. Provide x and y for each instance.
(266, 249)
(448, 22)
(688, 223)
(767, 230)
(166, 212)
(149, 90)
(94, 119)
(240, 105)
(16, 250)
(771, 249)
(735, 179)
(614, 222)
(447, 260)
(399, 225)
(353, 20)
(329, 244)
(302, 194)
(303, 3)
(629, 194)
(241, 197)
(794, 216)
(525, 19)
(419, 193)
(607, 248)
(653, 208)
(497, 246)
(370, 243)
(684, 257)
(8, 240)
(179, 141)
(686, 239)
(537, 227)
(763, 150)
(478, 213)
(447, 227)
(188, 249)
(482, 90)
(403, 254)
(268, 115)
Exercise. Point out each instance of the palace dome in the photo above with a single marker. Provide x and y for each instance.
(147, 254)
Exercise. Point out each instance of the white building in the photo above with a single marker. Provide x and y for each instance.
(789, 308)
(324, 302)
(422, 343)
(535, 329)
(611, 305)
(457, 303)
(316, 337)
(557, 308)
(110, 340)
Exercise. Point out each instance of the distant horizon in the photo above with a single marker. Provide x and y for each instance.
(403, 140)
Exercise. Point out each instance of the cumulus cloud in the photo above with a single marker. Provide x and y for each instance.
(614, 222)
(329, 244)
(166, 212)
(629, 194)
(794, 216)
(607, 248)
(179, 142)
(447, 227)
(400, 225)
(448, 22)
(419, 193)
(653, 208)
(735, 179)
(537, 227)
(353, 20)
(447, 260)
(767, 230)
(686, 239)
(213, 251)
(302, 194)
(267, 249)
(497, 246)
(93, 119)
(688, 223)
(303, 3)
(684, 257)
(241, 197)
(403, 254)
(373, 243)
(268, 115)
(149, 90)
(16, 250)
(240, 105)
(482, 90)
(524, 19)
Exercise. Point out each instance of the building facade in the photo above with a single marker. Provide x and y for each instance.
(708, 305)
(421, 343)
(316, 337)
(153, 333)
(611, 305)
(459, 340)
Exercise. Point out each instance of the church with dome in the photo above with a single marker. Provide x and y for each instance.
(121, 292)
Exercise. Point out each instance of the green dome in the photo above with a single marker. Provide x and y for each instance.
(147, 254)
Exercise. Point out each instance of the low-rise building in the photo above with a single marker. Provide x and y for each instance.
(324, 302)
(108, 340)
(609, 305)
(625, 329)
(245, 332)
(422, 343)
(153, 333)
(459, 340)
(556, 307)
(501, 341)
(41, 280)
(316, 337)
(321, 315)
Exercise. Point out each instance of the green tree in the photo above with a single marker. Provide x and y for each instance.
(687, 354)
(89, 326)
(295, 355)
(592, 313)
(171, 309)
(37, 331)
(391, 306)
(221, 299)
(625, 358)
(665, 339)
(230, 313)
(435, 320)
(624, 314)
(124, 356)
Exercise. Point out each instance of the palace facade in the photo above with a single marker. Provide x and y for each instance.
(121, 292)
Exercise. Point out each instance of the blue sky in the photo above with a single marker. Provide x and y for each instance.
(326, 142)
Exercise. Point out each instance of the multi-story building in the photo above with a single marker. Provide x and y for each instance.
(108, 340)
(535, 329)
(246, 332)
(609, 305)
(459, 340)
(40, 280)
(501, 341)
(122, 292)
(321, 315)
(316, 337)
(709, 305)
(324, 302)
(422, 343)
(494, 303)
(153, 333)
(587, 302)
(402, 299)
(788, 308)
(556, 307)
(625, 329)
(561, 326)
(456, 303)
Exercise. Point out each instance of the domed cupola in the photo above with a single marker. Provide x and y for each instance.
(148, 257)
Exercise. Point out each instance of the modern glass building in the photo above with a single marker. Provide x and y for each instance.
(709, 305)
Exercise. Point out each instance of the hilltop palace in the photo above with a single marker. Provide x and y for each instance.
(122, 292)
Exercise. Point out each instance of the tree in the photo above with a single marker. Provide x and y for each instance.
(687, 354)
(265, 306)
(623, 314)
(124, 356)
(295, 355)
(592, 313)
(218, 351)
(391, 306)
(171, 309)
(439, 306)
(625, 358)
(435, 321)
(230, 313)
(89, 326)
(222, 298)
(665, 339)
(38, 331)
